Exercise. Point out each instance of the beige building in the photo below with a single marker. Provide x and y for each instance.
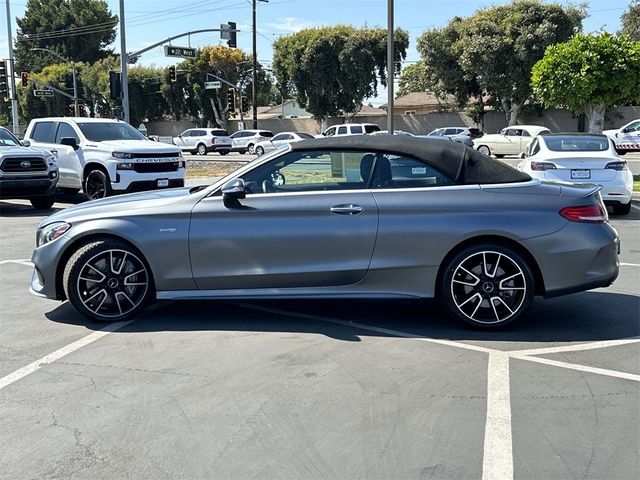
(418, 103)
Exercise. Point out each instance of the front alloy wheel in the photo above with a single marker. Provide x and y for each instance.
(488, 286)
(483, 149)
(107, 281)
(202, 149)
(259, 151)
(96, 185)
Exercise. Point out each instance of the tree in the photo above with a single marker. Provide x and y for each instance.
(56, 75)
(499, 46)
(413, 79)
(630, 21)
(331, 70)
(588, 74)
(79, 30)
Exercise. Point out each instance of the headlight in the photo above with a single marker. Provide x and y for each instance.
(182, 164)
(51, 159)
(51, 232)
(124, 155)
(125, 166)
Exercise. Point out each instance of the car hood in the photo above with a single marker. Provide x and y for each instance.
(119, 205)
(17, 151)
(134, 146)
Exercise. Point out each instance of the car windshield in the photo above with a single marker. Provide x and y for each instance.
(219, 133)
(104, 131)
(371, 128)
(7, 139)
(570, 143)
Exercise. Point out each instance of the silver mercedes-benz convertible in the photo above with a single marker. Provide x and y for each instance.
(361, 216)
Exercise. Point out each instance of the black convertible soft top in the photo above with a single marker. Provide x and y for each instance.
(462, 164)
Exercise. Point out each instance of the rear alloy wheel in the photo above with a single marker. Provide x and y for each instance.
(250, 147)
(259, 151)
(96, 185)
(202, 149)
(622, 209)
(107, 281)
(487, 285)
(43, 203)
(483, 149)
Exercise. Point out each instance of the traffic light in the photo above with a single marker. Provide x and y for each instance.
(115, 85)
(245, 104)
(232, 42)
(4, 85)
(173, 75)
(231, 100)
(24, 78)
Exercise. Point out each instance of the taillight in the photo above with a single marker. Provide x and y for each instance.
(539, 166)
(617, 165)
(213, 140)
(594, 213)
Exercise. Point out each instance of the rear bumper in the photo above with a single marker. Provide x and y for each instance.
(580, 256)
(217, 148)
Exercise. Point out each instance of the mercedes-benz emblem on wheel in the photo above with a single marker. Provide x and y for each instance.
(25, 164)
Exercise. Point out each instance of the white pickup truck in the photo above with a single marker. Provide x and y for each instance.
(104, 157)
(626, 138)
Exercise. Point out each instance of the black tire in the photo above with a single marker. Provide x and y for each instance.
(259, 151)
(107, 281)
(97, 184)
(242, 152)
(69, 191)
(43, 203)
(484, 150)
(622, 209)
(223, 152)
(201, 149)
(487, 285)
(499, 156)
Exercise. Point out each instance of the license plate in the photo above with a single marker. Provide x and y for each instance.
(163, 182)
(580, 174)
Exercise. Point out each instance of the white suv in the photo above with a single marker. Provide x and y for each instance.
(104, 157)
(246, 140)
(350, 129)
(203, 141)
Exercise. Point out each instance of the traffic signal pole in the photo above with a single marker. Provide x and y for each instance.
(12, 80)
(124, 61)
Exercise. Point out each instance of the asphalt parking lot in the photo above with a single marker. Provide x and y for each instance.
(317, 389)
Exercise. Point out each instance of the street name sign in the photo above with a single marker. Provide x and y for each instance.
(43, 93)
(212, 85)
(182, 52)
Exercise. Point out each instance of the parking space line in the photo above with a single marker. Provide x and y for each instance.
(629, 264)
(25, 262)
(574, 348)
(580, 368)
(497, 462)
(58, 354)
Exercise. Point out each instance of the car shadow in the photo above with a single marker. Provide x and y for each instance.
(587, 316)
(10, 208)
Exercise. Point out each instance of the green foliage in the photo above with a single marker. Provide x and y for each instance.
(589, 70)
(57, 75)
(331, 70)
(42, 17)
(630, 21)
(413, 79)
(95, 80)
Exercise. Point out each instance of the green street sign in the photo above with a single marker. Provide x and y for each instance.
(43, 93)
(182, 52)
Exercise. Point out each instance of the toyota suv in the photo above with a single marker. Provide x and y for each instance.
(27, 173)
(104, 157)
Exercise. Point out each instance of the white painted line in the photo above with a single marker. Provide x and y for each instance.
(58, 354)
(574, 348)
(497, 463)
(362, 326)
(26, 262)
(635, 206)
(629, 264)
(580, 368)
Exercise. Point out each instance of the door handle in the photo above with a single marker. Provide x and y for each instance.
(348, 209)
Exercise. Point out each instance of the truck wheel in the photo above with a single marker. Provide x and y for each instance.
(43, 203)
(97, 184)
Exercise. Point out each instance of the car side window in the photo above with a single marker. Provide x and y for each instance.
(342, 130)
(66, 131)
(186, 133)
(311, 171)
(397, 171)
(525, 133)
(43, 132)
(280, 136)
(330, 132)
(535, 147)
(356, 129)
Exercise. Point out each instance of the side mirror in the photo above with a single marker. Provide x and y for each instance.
(69, 142)
(26, 143)
(233, 191)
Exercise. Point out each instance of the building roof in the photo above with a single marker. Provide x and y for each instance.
(420, 99)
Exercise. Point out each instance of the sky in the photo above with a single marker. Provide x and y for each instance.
(149, 21)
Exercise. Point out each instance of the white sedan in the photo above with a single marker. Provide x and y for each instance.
(510, 141)
(279, 139)
(581, 158)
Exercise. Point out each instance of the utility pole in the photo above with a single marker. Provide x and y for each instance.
(390, 68)
(13, 95)
(124, 60)
(254, 73)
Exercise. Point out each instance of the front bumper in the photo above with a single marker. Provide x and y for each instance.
(129, 181)
(27, 187)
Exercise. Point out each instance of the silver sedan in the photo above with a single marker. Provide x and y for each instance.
(359, 216)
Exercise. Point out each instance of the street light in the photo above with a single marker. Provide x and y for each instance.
(254, 77)
(75, 85)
